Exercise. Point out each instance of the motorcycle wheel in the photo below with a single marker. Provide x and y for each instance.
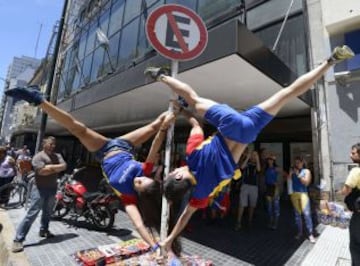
(103, 217)
(60, 210)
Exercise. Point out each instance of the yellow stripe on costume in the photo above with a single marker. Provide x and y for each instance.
(192, 179)
(224, 183)
(205, 142)
(117, 193)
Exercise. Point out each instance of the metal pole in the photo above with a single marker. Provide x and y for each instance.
(169, 141)
(42, 128)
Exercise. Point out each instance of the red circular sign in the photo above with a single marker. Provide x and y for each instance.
(176, 32)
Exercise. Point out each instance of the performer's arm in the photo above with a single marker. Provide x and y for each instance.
(195, 125)
(179, 226)
(159, 137)
(306, 179)
(135, 216)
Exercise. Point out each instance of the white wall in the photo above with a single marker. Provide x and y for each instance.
(341, 15)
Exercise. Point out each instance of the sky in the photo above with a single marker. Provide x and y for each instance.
(20, 22)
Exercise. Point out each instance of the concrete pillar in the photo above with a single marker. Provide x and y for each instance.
(319, 50)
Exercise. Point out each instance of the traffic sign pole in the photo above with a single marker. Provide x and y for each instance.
(178, 33)
(169, 142)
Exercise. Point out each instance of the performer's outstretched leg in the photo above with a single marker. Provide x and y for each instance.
(182, 89)
(305, 82)
(273, 104)
(92, 140)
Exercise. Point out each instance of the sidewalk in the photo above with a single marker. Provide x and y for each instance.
(78, 236)
(331, 248)
(6, 236)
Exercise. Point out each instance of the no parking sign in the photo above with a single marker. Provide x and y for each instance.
(176, 32)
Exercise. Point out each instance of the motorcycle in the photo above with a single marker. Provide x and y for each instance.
(98, 208)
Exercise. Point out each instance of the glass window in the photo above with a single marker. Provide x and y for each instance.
(67, 59)
(150, 2)
(128, 42)
(91, 40)
(97, 64)
(113, 53)
(77, 80)
(209, 9)
(86, 69)
(188, 3)
(69, 81)
(291, 48)
(133, 8)
(82, 43)
(117, 11)
(61, 90)
(104, 21)
(79, 75)
(143, 44)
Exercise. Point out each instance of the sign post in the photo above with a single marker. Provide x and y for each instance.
(179, 34)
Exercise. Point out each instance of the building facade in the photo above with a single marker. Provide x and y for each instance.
(20, 71)
(255, 48)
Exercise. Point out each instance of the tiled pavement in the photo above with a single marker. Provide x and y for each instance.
(333, 247)
(57, 251)
(217, 242)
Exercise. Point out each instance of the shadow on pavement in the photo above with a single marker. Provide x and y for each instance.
(122, 233)
(257, 245)
(56, 239)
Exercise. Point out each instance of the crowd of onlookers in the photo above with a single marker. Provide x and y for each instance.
(262, 185)
(13, 162)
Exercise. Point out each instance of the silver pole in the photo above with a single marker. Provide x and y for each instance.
(169, 141)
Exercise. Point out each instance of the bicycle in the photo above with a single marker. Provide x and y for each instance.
(17, 191)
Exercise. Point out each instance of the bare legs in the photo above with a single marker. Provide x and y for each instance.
(298, 87)
(141, 135)
(201, 105)
(92, 140)
(273, 104)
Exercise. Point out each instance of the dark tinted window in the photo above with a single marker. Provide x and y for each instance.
(116, 17)
(128, 42)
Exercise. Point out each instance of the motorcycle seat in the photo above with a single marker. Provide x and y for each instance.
(89, 196)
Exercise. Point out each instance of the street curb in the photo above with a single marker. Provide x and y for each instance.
(6, 239)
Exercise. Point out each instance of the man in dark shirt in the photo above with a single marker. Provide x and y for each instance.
(47, 165)
(250, 168)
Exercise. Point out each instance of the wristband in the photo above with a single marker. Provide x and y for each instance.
(155, 247)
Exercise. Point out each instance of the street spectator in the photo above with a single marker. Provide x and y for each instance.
(10, 150)
(250, 169)
(273, 176)
(301, 178)
(211, 162)
(47, 165)
(263, 154)
(351, 190)
(23, 161)
(7, 173)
